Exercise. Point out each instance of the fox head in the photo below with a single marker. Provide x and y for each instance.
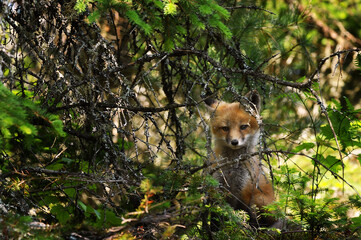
(233, 125)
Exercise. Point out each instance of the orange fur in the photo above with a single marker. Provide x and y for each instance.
(235, 132)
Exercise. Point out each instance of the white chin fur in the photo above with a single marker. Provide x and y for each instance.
(236, 146)
(239, 145)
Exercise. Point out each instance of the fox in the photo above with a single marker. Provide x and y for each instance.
(235, 132)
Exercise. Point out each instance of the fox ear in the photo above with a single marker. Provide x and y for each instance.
(254, 98)
(211, 103)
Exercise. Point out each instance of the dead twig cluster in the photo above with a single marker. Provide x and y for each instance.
(124, 106)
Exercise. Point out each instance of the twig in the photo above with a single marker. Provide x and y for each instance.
(324, 166)
(131, 108)
(338, 53)
(225, 162)
(324, 111)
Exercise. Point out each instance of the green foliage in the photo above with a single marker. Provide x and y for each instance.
(319, 213)
(304, 195)
(136, 19)
(26, 127)
(180, 50)
(163, 18)
(23, 227)
(13, 114)
(81, 5)
(17, 116)
(170, 8)
(61, 213)
(345, 123)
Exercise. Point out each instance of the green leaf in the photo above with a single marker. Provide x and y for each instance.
(303, 146)
(48, 200)
(55, 167)
(70, 192)
(5, 132)
(356, 222)
(341, 125)
(333, 163)
(327, 131)
(61, 213)
(97, 213)
(67, 160)
(82, 205)
(158, 4)
(26, 130)
(111, 218)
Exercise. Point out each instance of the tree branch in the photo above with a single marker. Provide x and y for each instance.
(252, 7)
(130, 108)
(226, 162)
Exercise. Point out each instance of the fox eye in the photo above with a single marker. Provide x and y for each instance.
(226, 129)
(243, 127)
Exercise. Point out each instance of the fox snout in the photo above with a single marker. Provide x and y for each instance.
(234, 142)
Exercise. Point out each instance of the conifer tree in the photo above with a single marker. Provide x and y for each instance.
(103, 126)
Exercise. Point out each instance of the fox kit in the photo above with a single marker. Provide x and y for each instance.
(235, 132)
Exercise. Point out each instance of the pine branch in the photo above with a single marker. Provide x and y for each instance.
(252, 7)
(343, 37)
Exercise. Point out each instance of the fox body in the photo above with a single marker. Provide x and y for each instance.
(236, 132)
